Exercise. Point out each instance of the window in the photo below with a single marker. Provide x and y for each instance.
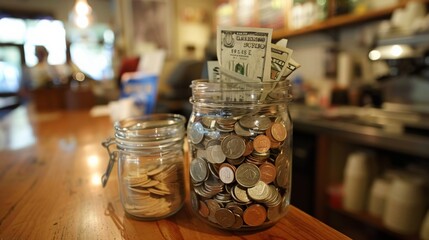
(91, 50)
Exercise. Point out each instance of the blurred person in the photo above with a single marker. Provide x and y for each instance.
(42, 74)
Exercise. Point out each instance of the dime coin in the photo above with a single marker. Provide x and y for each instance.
(247, 175)
(226, 173)
(255, 215)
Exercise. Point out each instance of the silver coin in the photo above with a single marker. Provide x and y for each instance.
(239, 130)
(215, 154)
(233, 146)
(194, 201)
(247, 175)
(209, 122)
(198, 169)
(259, 192)
(241, 194)
(201, 153)
(226, 174)
(213, 142)
(260, 123)
(196, 133)
(213, 134)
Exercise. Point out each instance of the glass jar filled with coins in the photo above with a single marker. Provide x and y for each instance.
(150, 156)
(240, 156)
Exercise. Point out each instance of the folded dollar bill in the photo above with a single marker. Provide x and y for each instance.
(245, 51)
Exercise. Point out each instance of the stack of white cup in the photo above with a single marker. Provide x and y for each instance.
(357, 179)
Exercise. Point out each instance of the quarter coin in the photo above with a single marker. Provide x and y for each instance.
(247, 175)
(215, 154)
(198, 170)
(233, 146)
(196, 133)
(259, 192)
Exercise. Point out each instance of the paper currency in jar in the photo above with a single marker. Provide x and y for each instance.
(245, 51)
(280, 57)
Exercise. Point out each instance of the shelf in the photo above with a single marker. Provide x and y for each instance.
(373, 222)
(339, 21)
(411, 39)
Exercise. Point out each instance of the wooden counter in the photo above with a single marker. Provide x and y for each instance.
(50, 169)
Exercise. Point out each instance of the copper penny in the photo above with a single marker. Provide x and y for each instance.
(269, 135)
(238, 221)
(249, 148)
(278, 131)
(261, 144)
(203, 209)
(275, 144)
(225, 217)
(268, 172)
(255, 215)
(274, 213)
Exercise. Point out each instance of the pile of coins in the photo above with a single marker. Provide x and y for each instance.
(239, 169)
(152, 190)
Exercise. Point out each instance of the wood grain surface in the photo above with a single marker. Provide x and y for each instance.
(50, 188)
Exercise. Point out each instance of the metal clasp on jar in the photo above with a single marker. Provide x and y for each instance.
(112, 158)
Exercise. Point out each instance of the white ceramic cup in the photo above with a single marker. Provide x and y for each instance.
(357, 174)
(377, 197)
(405, 206)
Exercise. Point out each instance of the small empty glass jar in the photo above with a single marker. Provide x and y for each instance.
(150, 155)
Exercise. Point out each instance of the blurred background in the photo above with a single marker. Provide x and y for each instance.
(360, 100)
